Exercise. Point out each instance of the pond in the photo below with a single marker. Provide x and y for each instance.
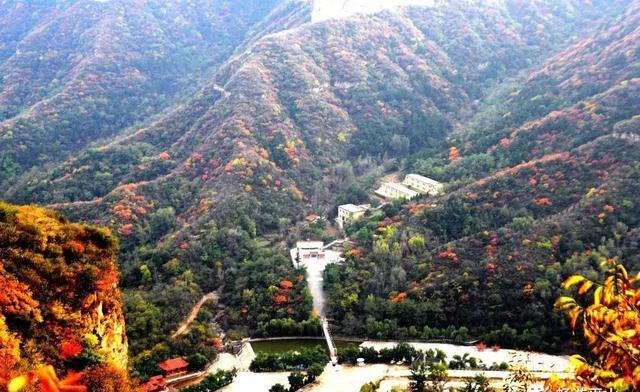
(282, 345)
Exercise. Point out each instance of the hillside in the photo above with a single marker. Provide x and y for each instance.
(544, 189)
(75, 72)
(60, 302)
(204, 168)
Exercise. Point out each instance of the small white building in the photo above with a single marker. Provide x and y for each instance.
(349, 213)
(309, 247)
(313, 252)
(391, 190)
(423, 184)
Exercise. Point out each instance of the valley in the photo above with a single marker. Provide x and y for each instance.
(432, 172)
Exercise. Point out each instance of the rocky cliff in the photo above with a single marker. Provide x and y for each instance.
(60, 303)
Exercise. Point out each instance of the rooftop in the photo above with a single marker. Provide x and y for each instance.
(423, 179)
(400, 188)
(155, 383)
(173, 364)
(312, 218)
(309, 244)
(353, 208)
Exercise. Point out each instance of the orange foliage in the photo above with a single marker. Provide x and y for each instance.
(611, 326)
(164, 156)
(454, 154)
(286, 284)
(76, 246)
(48, 381)
(107, 378)
(9, 351)
(49, 297)
(126, 229)
(217, 343)
(280, 299)
(505, 142)
(16, 298)
(400, 297)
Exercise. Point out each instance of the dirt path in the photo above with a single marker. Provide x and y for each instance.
(184, 327)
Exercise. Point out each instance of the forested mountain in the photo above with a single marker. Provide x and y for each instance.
(74, 72)
(544, 188)
(200, 132)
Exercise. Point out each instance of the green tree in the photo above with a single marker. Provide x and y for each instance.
(278, 388)
(479, 383)
(296, 381)
(145, 274)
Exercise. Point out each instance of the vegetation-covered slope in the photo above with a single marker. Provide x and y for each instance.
(545, 188)
(199, 191)
(78, 71)
(60, 302)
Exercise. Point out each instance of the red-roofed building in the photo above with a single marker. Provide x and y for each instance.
(313, 218)
(174, 367)
(155, 384)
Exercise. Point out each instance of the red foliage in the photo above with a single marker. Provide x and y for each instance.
(543, 201)
(217, 343)
(70, 348)
(481, 346)
(76, 246)
(448, 255)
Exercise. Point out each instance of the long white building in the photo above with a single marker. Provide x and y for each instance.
(391, 190)
(423, 184)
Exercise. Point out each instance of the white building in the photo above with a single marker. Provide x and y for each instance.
(391, 190)
(423, 184)
(308, 253)
(308, 247)
(349, 213)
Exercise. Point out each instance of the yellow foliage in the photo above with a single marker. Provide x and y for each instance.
(611, 325)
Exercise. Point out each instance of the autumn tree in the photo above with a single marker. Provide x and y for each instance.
(611, 326)
(454, 154)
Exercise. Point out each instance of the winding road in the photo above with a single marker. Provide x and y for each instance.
(184, 326)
